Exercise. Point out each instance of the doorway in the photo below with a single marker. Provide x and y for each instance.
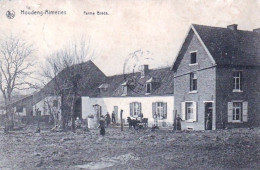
(208, 115)
(78, 109)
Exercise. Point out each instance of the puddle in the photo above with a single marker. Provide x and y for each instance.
(109, 161)
(96, 165)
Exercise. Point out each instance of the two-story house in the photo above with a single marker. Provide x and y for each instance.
(216, 78)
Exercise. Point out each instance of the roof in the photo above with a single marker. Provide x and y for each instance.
(229, 47)
(91, 77)
(137, 85)
(21, 100)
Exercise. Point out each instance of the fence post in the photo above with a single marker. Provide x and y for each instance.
(121, 118)
(174, 120)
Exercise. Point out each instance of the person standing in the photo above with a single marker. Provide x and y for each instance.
(178, 122)
(102, 125)
(108, 119)
(113, 117)
(209, 122)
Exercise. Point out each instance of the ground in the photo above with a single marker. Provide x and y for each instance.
(130, 149)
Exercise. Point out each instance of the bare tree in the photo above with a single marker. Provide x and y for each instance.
(15, 64)
(63, 68)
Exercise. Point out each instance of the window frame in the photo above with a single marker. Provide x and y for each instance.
(160, 111)
(234, 109)
(136, 109)
(239, 79)
(124, 90)
(191, 58)
(148, 84)
(193, 79)
(191, 116)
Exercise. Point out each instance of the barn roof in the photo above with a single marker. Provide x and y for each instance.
(91, 77)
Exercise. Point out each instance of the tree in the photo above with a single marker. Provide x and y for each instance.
(15, 65)
(63, 69)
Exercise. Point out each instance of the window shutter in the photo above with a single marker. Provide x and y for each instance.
(183, 111)
(131, 109)
(241, 80)
(230, 111)
(245, 110)
(140, 108)
(195, 111)
(165, 110)
(154, 108)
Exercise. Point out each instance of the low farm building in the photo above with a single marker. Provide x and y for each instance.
(150, 93)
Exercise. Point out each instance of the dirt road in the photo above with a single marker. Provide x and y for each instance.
(143, 149)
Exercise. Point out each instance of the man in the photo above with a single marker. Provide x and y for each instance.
(113, 117)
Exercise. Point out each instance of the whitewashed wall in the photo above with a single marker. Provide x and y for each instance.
(49, 99)
(20, 113)
(108, 103)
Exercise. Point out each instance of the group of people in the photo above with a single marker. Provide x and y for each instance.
(105, 121)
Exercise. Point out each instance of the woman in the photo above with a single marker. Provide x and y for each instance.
(102, 125)
(178, 122)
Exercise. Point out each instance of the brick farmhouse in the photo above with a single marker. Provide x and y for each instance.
(216, 78)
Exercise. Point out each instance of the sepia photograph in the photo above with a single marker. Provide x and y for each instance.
(129, 84)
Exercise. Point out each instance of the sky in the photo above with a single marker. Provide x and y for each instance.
(157, 26)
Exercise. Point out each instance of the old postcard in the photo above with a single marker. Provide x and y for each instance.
(129, 84)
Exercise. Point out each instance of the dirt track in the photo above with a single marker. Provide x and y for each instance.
(143, 149)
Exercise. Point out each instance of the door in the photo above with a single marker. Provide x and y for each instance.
(208, 115)
(78, 107)
(116, 112)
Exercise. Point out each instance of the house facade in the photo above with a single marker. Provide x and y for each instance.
(149, 92)
(22, 108)
(216, 82)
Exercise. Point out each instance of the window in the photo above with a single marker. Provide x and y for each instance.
(160, 109)
(193, 57)
(55, 103)
(148, 88)
(135, 109)
(19, 109)
(237, 111)
(102, 90)
(103, 87)
(237, 80)
(193, 82)
(124, 90)
(189, 111)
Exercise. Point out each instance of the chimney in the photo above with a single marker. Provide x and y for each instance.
(257, 30)
(232, 27)
(144, 70)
